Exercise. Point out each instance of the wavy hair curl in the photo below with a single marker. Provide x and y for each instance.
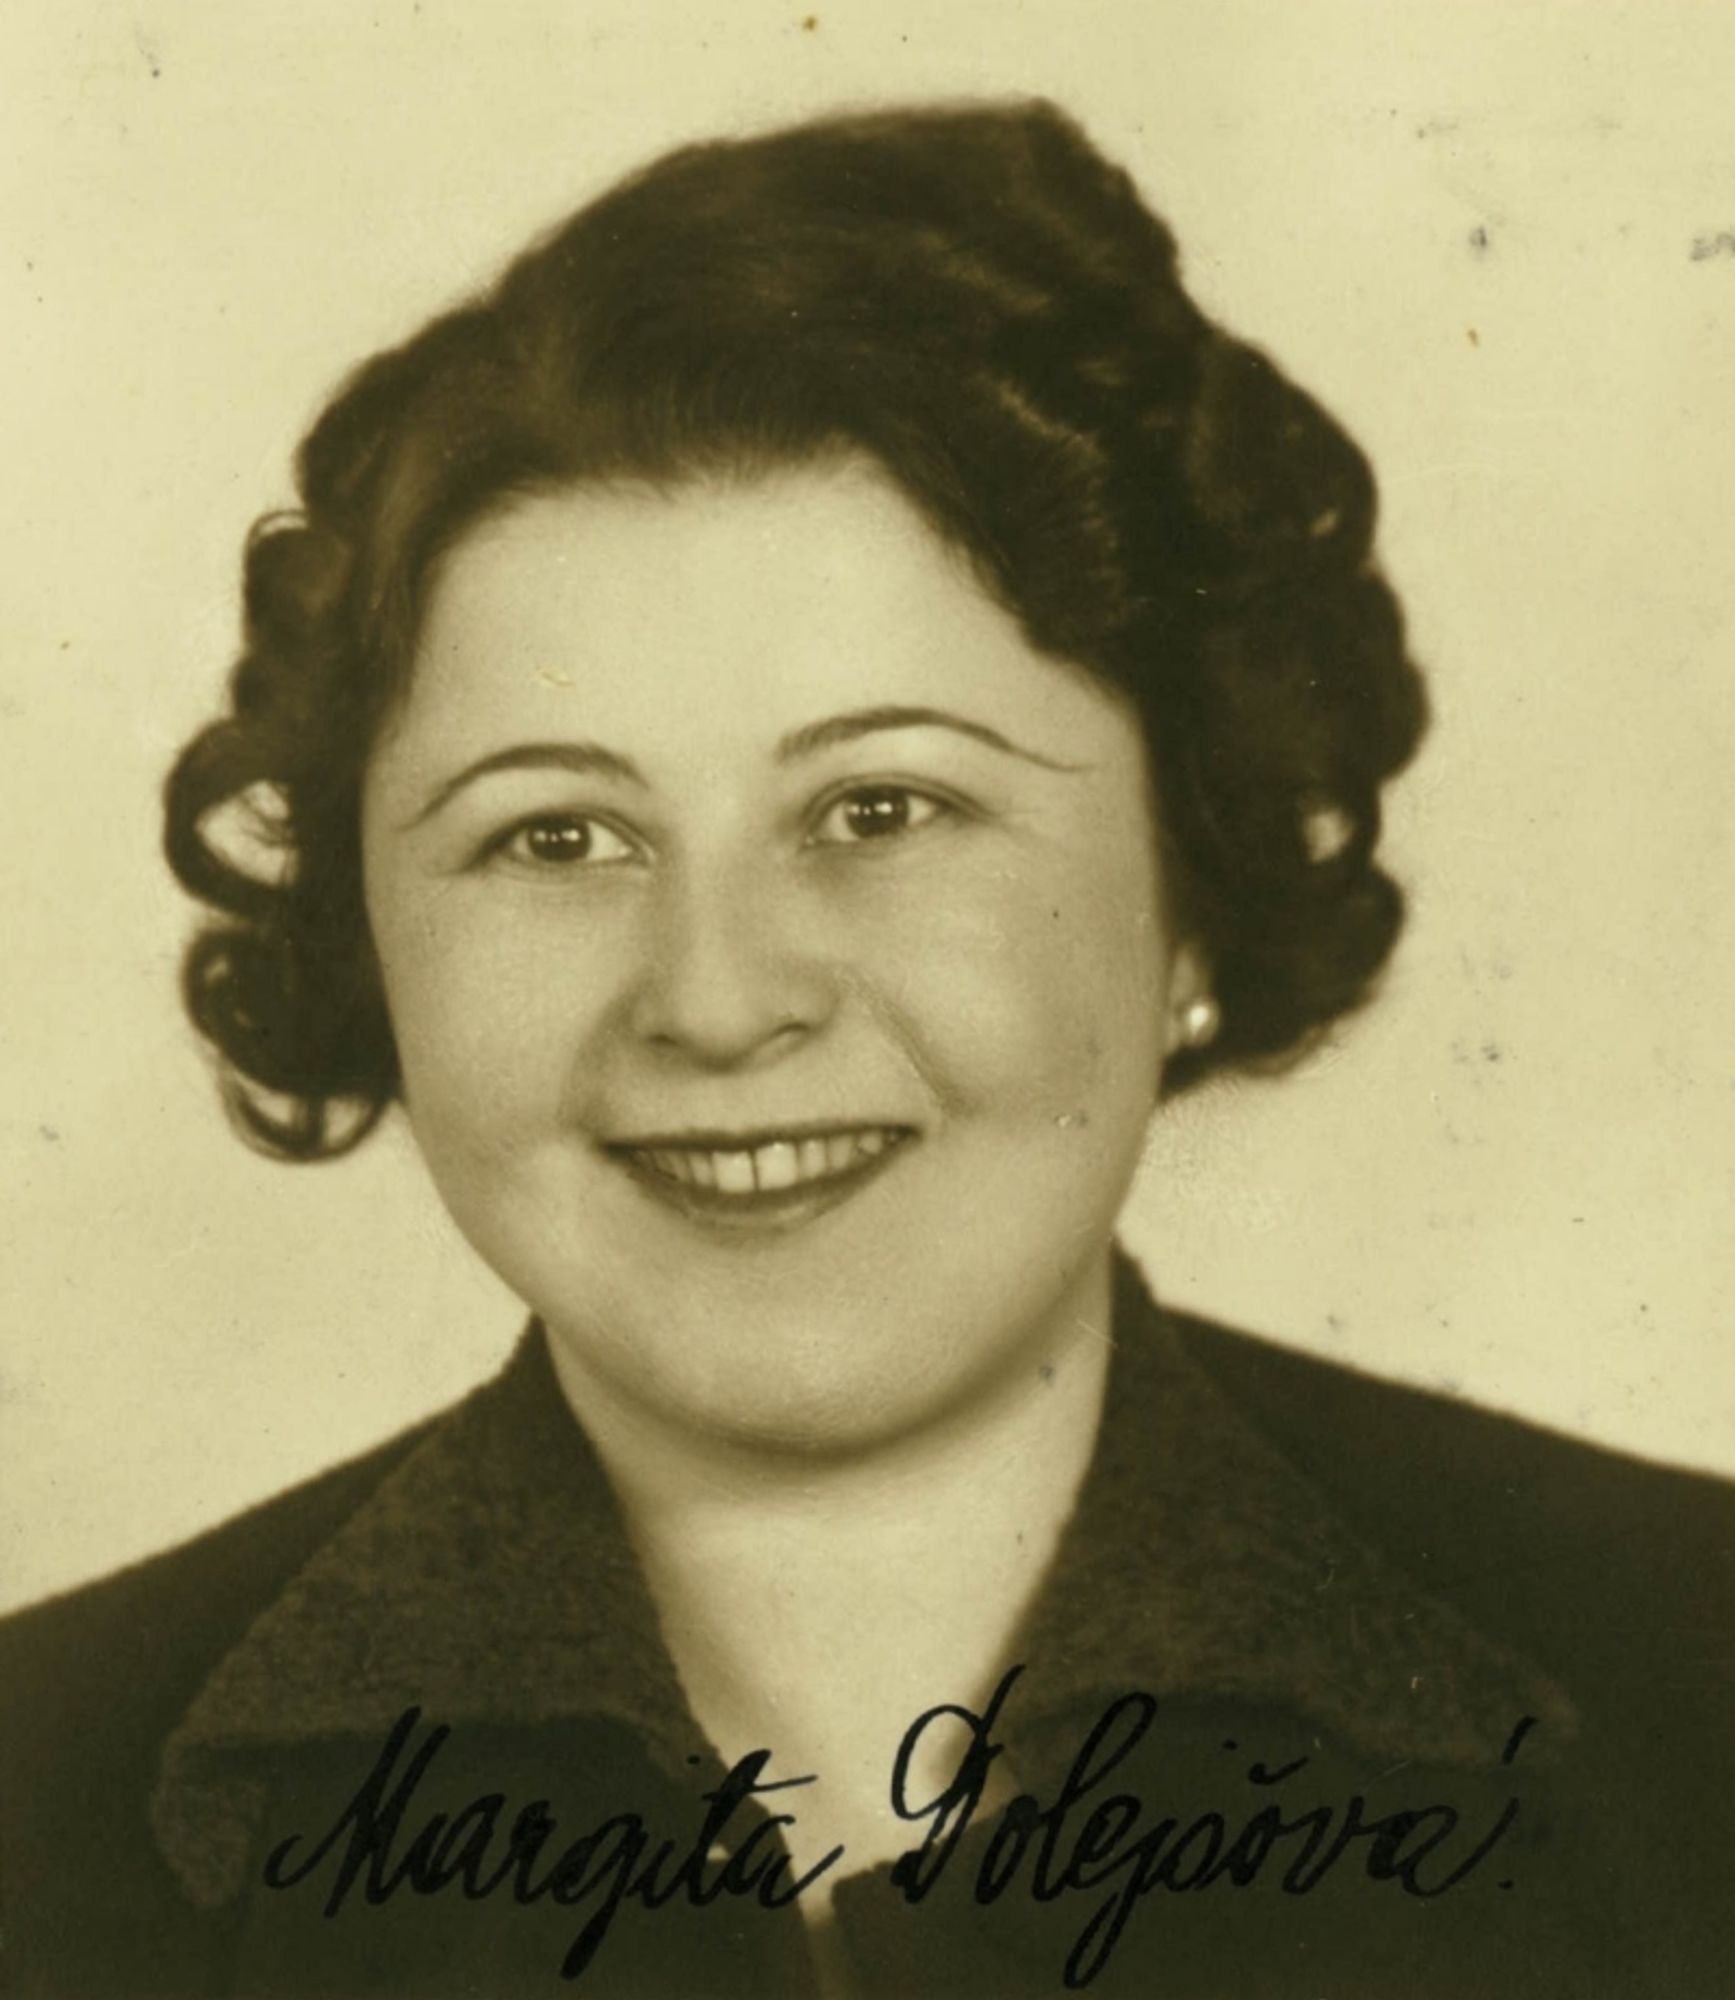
(980, 301)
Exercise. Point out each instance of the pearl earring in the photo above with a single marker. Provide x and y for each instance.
(1199, 1022)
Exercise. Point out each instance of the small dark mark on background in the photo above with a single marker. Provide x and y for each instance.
(1478, 238)
(48, 1131)
(1720, 244)
(810, 23)
(1475, 340)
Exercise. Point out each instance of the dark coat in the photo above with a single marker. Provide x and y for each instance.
(1370, 1619)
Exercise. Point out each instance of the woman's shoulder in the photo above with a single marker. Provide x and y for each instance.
(1384, 1444)
(1616, 1572)
(92, 1682)
(117, 1658)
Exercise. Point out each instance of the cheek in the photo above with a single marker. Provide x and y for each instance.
(1044, 997)
(487, 1026)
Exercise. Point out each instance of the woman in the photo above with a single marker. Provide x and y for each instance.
(777, 735)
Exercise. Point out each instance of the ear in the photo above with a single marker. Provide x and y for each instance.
(1191, 1014)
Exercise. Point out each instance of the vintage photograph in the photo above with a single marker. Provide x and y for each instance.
(870, 1131)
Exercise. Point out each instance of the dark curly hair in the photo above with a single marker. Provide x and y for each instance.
(980, 301)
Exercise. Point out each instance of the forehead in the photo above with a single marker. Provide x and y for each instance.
(739, 607)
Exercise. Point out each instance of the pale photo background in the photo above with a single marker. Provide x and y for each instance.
(1497, 239)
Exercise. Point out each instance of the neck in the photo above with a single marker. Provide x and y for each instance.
(817, 1605)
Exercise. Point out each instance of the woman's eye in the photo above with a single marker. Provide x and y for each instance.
(562, 840)
(875, 812)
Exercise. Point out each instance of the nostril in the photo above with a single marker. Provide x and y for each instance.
(723, 993)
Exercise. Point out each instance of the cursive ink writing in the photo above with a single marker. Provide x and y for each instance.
(618, 1860)
(1066, 1847)
(1089, 1840)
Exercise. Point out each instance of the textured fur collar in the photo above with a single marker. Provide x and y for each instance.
(489, 1577)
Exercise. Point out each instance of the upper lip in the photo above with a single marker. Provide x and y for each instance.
(715, 1140)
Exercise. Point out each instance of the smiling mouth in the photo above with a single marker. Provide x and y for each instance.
(786, 1176)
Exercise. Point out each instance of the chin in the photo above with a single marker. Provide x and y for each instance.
(812, 1384)
(851, 1363)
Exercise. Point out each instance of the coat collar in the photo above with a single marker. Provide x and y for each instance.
(489, 1578)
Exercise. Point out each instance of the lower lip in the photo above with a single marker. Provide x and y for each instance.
(769, 1209)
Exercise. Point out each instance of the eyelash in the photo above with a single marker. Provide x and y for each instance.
(932, 806)
(925, 806)
(501, 848)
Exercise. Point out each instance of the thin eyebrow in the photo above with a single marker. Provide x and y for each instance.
(859, 722)
(590, 758)
(594, 759)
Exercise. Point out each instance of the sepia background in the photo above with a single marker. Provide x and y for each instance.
(1498, 239)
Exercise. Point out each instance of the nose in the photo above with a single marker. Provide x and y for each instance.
(727, 979)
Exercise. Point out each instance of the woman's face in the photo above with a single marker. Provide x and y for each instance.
(776, 952)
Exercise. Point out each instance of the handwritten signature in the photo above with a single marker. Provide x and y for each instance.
(1086, 1841)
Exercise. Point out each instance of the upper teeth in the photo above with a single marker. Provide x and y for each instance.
(783, 1163)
